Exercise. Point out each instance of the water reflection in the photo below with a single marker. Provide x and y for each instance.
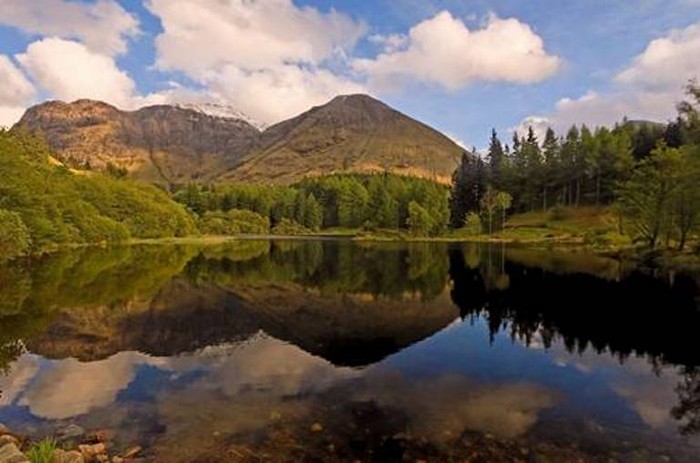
(190, 350)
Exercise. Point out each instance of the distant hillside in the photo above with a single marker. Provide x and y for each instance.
(164, 144)
(353, 133)
(48, 205)
(177, 144)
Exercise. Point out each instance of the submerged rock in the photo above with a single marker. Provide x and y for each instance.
(70, 432)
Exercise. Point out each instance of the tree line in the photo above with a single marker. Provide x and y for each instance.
(349, 201)
(648, 170)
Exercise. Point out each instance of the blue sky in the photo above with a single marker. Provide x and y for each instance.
(460, 66)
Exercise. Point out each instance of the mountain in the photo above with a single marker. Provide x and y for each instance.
(223, 110)
(156, 143)
(205, 142)
(350, 133)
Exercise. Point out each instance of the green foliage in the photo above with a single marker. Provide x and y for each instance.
(646, 198)
(42, 452)
(420, 222)
(58, 206)
(288, 227)
(14, 236)
(347, 201)
(468, 186)
(233, 222)
(472, 224)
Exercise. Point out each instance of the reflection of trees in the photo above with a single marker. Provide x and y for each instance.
(31, 291)
(640, 314)
(334, 266)
(688, 409)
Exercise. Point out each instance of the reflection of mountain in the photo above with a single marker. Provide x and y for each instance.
(344, 329)
(349, 305)
(639, 314)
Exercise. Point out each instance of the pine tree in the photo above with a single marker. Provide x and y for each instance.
(468, 187)
(550, 150)
(497, 161)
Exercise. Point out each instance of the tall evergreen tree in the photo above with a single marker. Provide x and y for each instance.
(468, 187)
(550, 150)
(497, 160)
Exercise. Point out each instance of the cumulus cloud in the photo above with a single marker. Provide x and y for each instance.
(15, 92)
(442, 50)
(648, 88)
(252, 35)
(271, 95)
(68, 70)
(104, 26)
(15, 89)
(666, 62)
(271, 59)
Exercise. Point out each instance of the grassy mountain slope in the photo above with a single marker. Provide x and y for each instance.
(170, 144)
(352, 133)
(58, 206)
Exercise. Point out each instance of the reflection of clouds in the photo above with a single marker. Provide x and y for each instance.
(650, 396)
(22, 372)
(446, 405)
(66, 388)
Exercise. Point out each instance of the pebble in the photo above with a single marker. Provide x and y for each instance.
(9, 453)
(91, 452)
(102, 435)
(3, 429)
(63, 456)
(72, 431)
(132, 452)
(316, 427)
(8, 439)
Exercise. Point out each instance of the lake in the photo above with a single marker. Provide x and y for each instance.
(333, 350)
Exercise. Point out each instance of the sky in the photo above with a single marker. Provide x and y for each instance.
(461, 66)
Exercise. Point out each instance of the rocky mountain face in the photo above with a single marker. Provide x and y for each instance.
(175, 144)
(156, 143)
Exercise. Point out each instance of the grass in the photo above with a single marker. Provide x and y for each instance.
(42, 452)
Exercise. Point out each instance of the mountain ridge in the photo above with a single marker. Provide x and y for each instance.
(179, 143)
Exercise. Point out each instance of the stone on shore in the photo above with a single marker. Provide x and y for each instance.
(63, 456)
(9, 453)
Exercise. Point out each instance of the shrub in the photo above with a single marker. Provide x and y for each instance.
(14, 236)
(234, 222)
(472, 224)
(290, 227)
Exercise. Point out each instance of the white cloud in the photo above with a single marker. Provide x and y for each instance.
(270, 59)
(444, 51)
(271, 95)
(203, 35)
(103, 26)
(15, 89)
(69, 70)
(667, 62)
(649, 88)
(10, 114)
(15, 92)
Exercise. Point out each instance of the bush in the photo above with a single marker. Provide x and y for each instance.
(472, 224)
(290, 227)
(14, 236)
(234, 222)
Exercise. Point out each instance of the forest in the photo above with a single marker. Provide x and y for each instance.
(44, 205)
(645, 173)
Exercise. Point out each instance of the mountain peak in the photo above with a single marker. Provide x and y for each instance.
(222, 110)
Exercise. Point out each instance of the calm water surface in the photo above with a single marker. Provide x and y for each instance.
(334, 350)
